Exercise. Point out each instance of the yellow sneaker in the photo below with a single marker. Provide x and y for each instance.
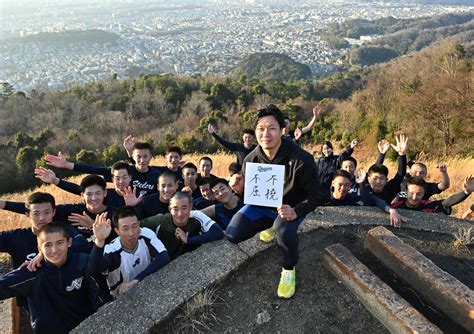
(287, 286)
(267, 235)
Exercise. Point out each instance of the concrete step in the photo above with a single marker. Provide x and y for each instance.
(10, 319)
(438, 287)
(395, 313)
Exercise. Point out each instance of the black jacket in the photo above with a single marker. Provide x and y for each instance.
(327, 166)
(302, 189)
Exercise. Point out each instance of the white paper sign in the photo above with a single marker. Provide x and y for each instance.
(264, 184)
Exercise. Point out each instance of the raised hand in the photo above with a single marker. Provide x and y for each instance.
(354, 143)
(128, 143)
(383, 146)
(210, 128)
(102, 228)
(442, 168)
(58, 161)
(46, 175)
(130, 196)
(298, 133)
(360, 175)
(187, 189)
(181, 235)
(401, 146)
(317, 110)
(83, 220)
(468, 184)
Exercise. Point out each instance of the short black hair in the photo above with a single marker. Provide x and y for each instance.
(39, 198)
(142, 145)
(235, 168)
(181, 195)
(270, 110)
(343, 173)
(352, 159)
(121, 165)
(169, 175)
(328, 144)
(190, 165)
(216, 181)
(249, 132)
(378, 168)
(54, 227)
(417, 180)
(123, 212)
(206, 158)
(92, 180)
(203, 180)
(422, 165)
(174, 148)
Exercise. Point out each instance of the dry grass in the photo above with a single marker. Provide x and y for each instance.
(463, 237)
(458, 169)
(198, 314)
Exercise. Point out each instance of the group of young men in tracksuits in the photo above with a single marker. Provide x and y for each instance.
(125, 233)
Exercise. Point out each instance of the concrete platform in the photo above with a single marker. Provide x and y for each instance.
(10, 319)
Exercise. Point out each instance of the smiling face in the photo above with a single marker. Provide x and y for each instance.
(142, 158)
(172, 160)
(348, 166)
(167, 187)
(190, 177)
(327, 150)
(180, 210)
(268, 134)
(121, 179)
(205, 167)
(222, 193)
(94, 196)
(418, 170)
(128, 230)
(54, 247)
(248, 140)
(206, 192)
(377, 181)
(415, 194)
(40, 214)
(341, 186)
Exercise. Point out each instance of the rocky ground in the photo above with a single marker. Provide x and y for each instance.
(246, 302)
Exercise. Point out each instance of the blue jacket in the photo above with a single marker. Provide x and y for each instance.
(59, 298)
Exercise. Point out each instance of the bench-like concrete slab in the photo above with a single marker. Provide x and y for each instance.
(394, 312)
(10, 319)
(437, 286)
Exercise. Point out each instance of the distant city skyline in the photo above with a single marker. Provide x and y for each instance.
(152, 37)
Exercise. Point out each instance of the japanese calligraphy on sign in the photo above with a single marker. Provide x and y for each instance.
(264, 184)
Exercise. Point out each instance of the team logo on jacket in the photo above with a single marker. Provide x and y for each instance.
(137, 262)
(75, 284)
